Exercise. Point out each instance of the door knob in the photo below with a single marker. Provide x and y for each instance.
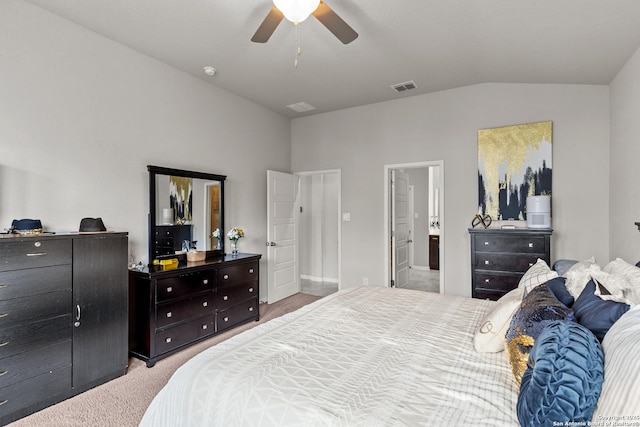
(271, 243)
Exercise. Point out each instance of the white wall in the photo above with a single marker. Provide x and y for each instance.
(624, 194)
(443, 126)
(81, 117)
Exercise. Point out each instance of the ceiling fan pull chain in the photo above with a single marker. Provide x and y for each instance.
(298, 50)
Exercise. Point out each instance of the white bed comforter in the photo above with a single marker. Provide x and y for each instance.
(366, 357)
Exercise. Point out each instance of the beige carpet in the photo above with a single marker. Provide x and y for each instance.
(123, 401)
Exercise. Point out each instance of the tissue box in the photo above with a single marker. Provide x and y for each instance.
(196, 256)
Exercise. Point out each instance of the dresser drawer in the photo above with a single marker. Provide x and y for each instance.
(517, 263)
(228, 296)
(502, 282)
(168, 314)
(184, 284)
(22, 283)
(23, 366)
(34, 390)
(492, 295)
(238, 314)
(32, 253)
(18, 311)
(237, 274)
(513, 243)
(180, 335)
(34, 335)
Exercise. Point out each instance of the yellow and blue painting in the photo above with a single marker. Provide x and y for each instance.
(513, 162)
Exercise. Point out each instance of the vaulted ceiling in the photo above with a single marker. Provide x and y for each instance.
(438, 44)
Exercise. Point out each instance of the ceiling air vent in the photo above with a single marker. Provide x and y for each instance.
(403, 87)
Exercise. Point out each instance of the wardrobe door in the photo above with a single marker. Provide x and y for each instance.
(100, 308)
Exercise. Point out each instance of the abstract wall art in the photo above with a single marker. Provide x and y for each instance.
(513, 162)
(181, 197)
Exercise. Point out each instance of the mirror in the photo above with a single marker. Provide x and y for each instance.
(185, 209)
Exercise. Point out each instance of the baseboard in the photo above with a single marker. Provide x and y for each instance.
(319, 279)
(420, 267)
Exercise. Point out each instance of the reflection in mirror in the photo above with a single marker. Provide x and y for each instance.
(186, 209)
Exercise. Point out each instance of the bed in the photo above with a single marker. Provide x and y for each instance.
(369, 356)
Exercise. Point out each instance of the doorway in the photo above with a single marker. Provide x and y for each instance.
(320, 232)
(413, 225)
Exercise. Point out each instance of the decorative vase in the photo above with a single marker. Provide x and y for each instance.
(234, 247)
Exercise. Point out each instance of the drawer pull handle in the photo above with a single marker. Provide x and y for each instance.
(251, 271)
(486, 280)
(226, 319)
(224, 298)
(3, 373)
(170, 289)
(225, 277)
(2, 344)
(37, 254)
(204, 304)
(530, 264)
(167, 340)
(486, 243)
(204, 326)
(486, 262)
(250, 308)
(530, 245)
(169, 314)
(205, 282)
(3, 402)
(250, 290)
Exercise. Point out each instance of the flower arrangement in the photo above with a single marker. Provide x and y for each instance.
(235, 234)
(216, 233)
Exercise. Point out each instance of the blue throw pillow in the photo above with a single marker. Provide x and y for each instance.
(557, 288)
(562, 384)
(596, 314)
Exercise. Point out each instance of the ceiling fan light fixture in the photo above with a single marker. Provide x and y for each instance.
(296, 11)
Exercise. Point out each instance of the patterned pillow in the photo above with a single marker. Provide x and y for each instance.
(537, 274)
(596, 314)
(538, 309)
(564, 378)
(489, 338)
(620, 392)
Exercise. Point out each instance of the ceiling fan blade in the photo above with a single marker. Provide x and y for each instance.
(334, 23)
(268, 26)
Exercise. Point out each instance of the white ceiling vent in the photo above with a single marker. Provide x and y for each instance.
(403, 87)
(301, 107)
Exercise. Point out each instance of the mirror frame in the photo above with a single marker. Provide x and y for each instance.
(158, 170)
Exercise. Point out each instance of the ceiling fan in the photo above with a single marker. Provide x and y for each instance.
(297, 11)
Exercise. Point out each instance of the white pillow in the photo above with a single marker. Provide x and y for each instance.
(489, 338)
(631, 273)
(615, 284)
(537, 274)
(579, 274)
(621, 345)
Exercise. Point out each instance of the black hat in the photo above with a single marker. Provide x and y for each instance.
(91, 225)
(26, 226)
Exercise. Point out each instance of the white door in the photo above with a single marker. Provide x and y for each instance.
(399, 228)
(282, 236)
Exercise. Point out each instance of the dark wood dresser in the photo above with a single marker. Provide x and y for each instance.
(170, 309)
(63, 317)
(434, 251)
(500, 257)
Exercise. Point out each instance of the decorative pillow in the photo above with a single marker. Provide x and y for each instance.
(562, 265)
(631, 273)
(538, 309)
(579, 275)
(564, 378)
(610, 286)
(596, 314)
(489, 338)
(537, 274)
(620, 392)
(557, 288)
